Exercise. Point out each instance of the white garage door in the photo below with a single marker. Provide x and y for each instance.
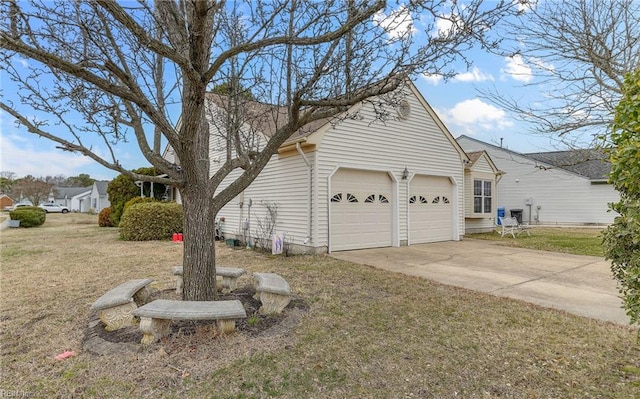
(360, 207)
(430, 209)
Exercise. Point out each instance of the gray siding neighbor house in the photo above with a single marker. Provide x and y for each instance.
(552, 188)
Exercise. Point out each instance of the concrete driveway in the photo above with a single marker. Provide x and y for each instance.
(581, 285)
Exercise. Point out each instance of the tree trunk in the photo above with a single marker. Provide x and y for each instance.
(199, 269)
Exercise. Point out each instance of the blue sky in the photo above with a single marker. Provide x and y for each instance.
(457, 102)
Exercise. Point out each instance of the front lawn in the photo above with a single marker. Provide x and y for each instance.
(571, 240)
(363, 333)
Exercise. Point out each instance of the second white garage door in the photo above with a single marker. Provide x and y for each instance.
(430, 209)
(361, 210)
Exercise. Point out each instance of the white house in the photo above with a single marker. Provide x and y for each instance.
(99, 196)
(74, 198)
(551, 188)
(360, 183)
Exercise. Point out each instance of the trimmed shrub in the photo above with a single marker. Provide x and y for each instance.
(137, 200)
(151, 221)
(104, 218)
(123, 188)
(29, 216)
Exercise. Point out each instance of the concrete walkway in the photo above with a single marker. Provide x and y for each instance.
(581, 285)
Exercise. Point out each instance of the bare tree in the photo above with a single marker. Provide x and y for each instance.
(128, 68)
(579, 52)
(34, 189)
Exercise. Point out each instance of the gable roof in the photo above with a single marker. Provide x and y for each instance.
(69, 192)
(474, 156)
(590, 163)
(267, 118)
(101, 186)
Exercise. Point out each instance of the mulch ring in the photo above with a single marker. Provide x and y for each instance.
(99, 341)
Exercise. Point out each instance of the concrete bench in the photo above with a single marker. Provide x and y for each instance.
(156, 316)
(116, 306)
(229, 276)
(273, 291)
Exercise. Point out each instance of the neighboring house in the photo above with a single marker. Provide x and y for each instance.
(5, 201)
(481, 177)
(75, 198)
(552, 188)
(359, 183)
(99, 196)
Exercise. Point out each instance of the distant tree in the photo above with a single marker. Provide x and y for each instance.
(34, 189)
(6, 181)
(82, 180)
(7, 174)
(57, 180)
(579, 52)
(5, 185)
(227, 89)
(622, 237)
(123, 188)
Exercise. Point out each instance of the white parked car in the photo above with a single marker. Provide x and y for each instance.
(53, 208)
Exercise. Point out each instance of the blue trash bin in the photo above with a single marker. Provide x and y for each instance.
(501, 213)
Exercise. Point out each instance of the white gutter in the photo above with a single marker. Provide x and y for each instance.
(309, 185)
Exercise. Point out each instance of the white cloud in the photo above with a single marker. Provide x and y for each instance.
(471, 116)
(474, 75)
(20, 157)
(397, 24)
(517, 69)
(432, 79)
(526, 5)
(443, 26)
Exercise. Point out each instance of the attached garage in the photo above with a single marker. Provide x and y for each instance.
(430, 209)
(361, 210)
(357, 181)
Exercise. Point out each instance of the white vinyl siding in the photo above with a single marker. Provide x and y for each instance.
(563, 197)
(416, 143)
(284, 182)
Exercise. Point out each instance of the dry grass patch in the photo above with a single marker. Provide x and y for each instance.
(367, 333)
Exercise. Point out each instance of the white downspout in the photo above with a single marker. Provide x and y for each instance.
(309, 186)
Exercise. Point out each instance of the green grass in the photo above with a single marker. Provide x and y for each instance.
(577, 241)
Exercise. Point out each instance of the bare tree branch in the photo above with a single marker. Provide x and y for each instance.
(579, 52)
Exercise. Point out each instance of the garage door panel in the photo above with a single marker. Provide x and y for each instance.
(361, 214)
(430, 209)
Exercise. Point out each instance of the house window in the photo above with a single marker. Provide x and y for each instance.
(482, 196)
(337, 198)
(383, 199)
(370, 199)
(351, 198)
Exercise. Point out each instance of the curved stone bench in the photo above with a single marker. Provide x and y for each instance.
(116, 306)
(229, 276)
(273, 291)
(156, 316)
